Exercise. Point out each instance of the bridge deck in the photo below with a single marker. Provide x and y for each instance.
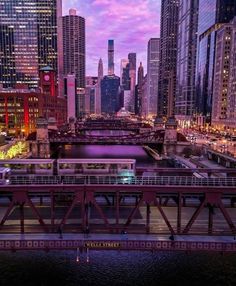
(117, 242)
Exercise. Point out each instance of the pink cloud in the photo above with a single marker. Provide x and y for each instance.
(131, 23)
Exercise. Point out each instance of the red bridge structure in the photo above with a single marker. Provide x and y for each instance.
(172, 206)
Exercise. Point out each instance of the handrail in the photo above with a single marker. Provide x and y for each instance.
(123, 180)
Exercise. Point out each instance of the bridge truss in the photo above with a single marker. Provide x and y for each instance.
(142, 138)
(161, 205)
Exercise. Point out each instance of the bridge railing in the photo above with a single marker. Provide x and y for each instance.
(123, 180)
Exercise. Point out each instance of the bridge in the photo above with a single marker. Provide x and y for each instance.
(111, 124)
(83, 243)
(132, 139)
(180, 205)
(223, 159)
(92, 212)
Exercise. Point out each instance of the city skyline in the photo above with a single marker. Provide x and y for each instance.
(127, 21)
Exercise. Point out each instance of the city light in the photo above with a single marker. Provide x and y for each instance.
(14, 151)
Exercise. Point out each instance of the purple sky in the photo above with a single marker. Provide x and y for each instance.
(131, 23)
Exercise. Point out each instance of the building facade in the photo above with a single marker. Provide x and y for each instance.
(185, 97)
(30, 37)
(20, 108)
(153, 61)
(168, 57)
(132, 76)
(110, 94)
(138, 90)
(212, 14)
(70, 92)
(98, 88)
(111, 65)
(74, 46)
(224, 85)
(90, 94)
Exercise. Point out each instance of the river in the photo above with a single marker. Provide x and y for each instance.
(111, 152)
(117, 268)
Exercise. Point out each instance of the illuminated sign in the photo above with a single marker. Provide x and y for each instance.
(102, 244)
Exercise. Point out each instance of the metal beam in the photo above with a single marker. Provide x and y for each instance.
(194, 216)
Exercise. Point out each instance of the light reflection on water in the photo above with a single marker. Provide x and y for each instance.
(110, 152)
(117, 268)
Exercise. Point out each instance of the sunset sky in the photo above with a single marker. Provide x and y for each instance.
(131, 23)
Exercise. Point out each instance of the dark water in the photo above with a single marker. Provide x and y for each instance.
(112, 267)
(111, 152)
(117, 268)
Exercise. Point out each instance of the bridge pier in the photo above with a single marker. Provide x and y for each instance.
(41, 147)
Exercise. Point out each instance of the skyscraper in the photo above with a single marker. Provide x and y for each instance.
(110, 99)
(123, 65)
(186, 61)
(212, 14)
(124, 75)
(30, 38)
(125, 84)
(90, 94)
(153, 61)
(132, 75)
(111, 68)
(74, 46)
(98, 88)
(224, 91)
(138, 90)
(168, 57)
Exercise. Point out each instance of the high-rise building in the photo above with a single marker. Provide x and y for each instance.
(74, 46)
(70, 92)
(98, 88)
(144, 100)
(138, 90)
(186, 61)
(30, 37)
(125, 77)
(90, 94)
(123, 65)
(132, 75)
(168, 57)
(125, 84)
(153, 60)
(111, 66)
(110, 96)
(212, 14)
(224, 84)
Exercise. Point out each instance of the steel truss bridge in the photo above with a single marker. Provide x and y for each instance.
(137, 139)
(164, 204)
(41, 207)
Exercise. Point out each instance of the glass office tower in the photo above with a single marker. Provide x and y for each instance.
(212, 14)
(186, 61)
(29, 38)
(168, 57)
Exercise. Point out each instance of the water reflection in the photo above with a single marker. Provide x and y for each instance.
(110, 151)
